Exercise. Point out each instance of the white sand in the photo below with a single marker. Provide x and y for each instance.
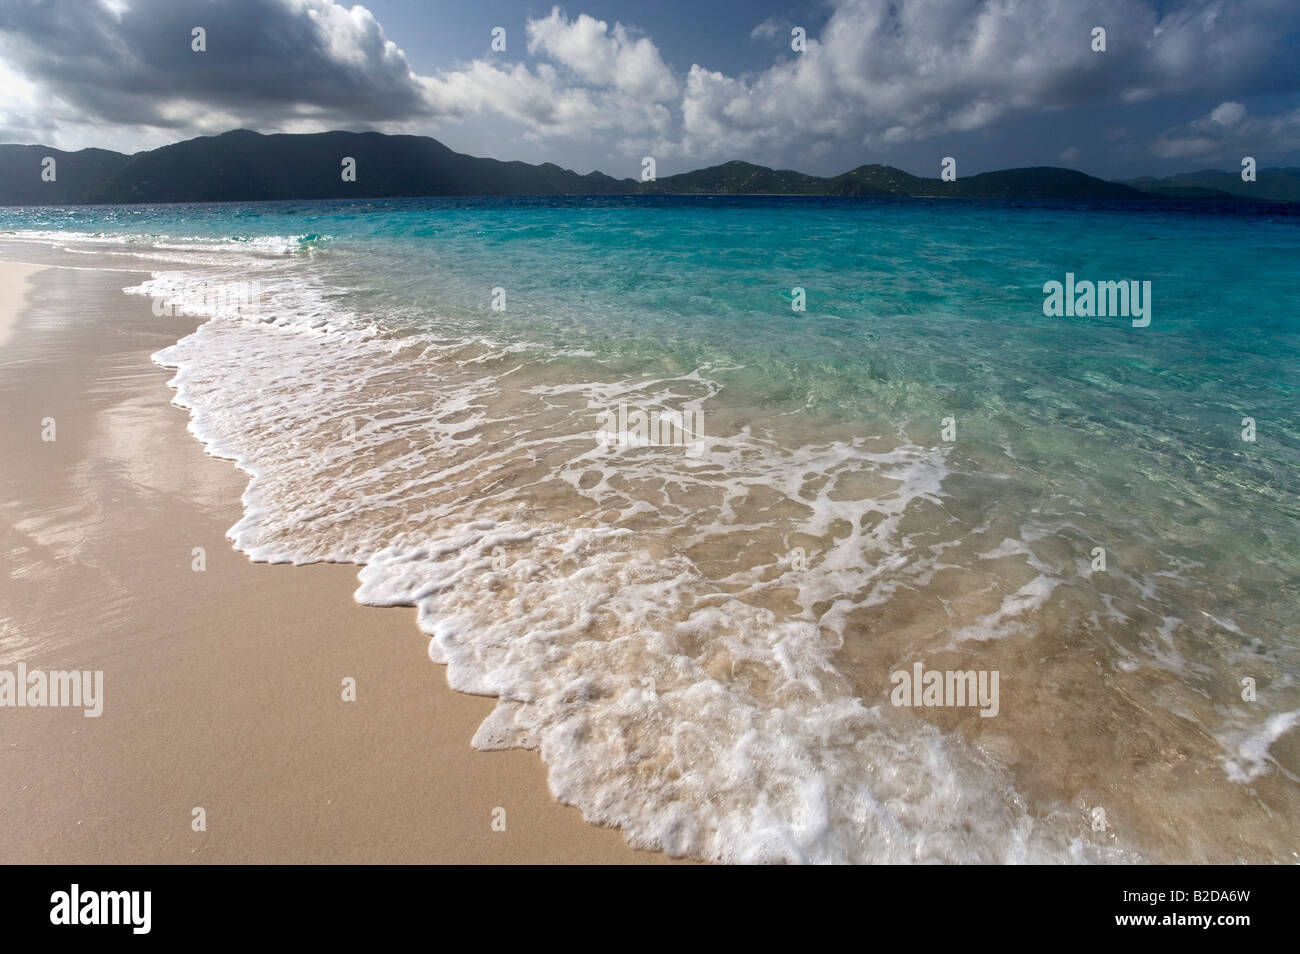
(13, 284)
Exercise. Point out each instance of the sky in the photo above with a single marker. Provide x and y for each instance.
(1181, 85)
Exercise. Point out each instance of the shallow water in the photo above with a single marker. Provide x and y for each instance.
(699, 637)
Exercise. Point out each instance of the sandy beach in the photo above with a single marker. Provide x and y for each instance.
(223, 688)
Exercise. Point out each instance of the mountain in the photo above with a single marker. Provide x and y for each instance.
(1270, 185)
(736, 178)
(879, 180)
(1038, 182)
(1041, 182)
(248, 166)
(74, 174)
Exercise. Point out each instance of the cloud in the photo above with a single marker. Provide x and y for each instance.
(1228, 114)
(603, 56)
(126, 67)
(268, 63)
(1226, 133)
(879, 74)
(886, 72)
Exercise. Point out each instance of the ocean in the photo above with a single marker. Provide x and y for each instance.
(704, 489)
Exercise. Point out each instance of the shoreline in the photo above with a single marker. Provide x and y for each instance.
(222, 687)
(95, 510)
(15, 283)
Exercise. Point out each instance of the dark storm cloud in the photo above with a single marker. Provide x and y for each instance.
(131, 63)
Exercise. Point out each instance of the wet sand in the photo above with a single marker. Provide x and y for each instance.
(223, 688)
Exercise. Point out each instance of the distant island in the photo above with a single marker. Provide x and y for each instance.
(245, 166)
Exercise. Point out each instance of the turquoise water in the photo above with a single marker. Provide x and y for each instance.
(945, 457)
(708, 279)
